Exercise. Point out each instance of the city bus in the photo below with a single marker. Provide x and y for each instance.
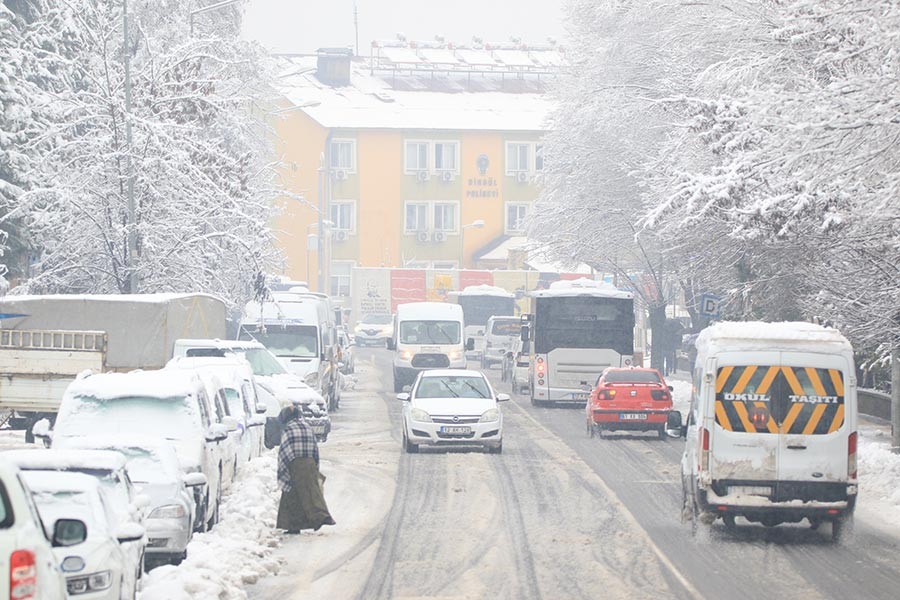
(577, 329)
(480, 303)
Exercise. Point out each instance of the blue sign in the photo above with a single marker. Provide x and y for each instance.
(710, 305)
(11, 316)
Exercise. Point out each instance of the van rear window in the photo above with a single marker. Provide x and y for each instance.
(779, 399)
(630, 376)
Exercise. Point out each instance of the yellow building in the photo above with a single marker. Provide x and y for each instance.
(421, 155)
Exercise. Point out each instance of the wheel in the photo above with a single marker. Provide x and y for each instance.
(662, 433)
(497, 450)
(409, 446)
(202, 524)
(215, 516)
(841, 528)
(729, 521)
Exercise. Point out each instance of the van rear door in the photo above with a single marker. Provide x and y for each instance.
(818, 418)
(745, 440)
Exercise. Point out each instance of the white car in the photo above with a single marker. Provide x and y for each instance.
(109, 469)
(169, 404)
(156, 475)
(452, 408)
(374, 330)
(99, 568)
(33, 567)
(500, 337)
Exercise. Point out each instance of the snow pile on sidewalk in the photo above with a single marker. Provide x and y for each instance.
(879, 473)
(238, 550)
(681, 395)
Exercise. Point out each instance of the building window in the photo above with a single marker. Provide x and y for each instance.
(515, 217)
(445, 156)
(524, 157)
(445, 217)
(343, 215)
(340, 277)
(343, 155)
(416, 217)
(416, 157)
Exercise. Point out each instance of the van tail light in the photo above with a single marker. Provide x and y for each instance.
(607, 394)
(851, 455)
(704, 449)
(660, 395)
(22, 575)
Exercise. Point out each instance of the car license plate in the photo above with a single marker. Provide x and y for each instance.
(580, 396)
(749, 490)
(456, 430)
(633, 416)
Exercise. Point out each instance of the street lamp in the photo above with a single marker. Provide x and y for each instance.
(476, 224)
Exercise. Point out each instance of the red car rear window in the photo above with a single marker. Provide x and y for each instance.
(631, 377)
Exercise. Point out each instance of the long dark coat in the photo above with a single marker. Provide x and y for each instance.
(303, 506)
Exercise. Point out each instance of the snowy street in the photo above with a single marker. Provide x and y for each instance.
(557, 515)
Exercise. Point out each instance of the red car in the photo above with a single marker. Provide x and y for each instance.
(630, 399)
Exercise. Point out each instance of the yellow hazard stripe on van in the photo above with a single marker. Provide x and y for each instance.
(779, 399)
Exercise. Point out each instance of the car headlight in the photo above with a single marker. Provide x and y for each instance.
(88, 583)
(490, 416)
(406, 355)
(312, 379)
(455, 355)
(169, 511)
(417, 414)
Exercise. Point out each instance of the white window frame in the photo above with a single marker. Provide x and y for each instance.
(506, 223)
(352, 204)
(352, 168)
(332, 276)
(531, 167)
(433, 210)
(426, 226)
(433, 156)
(427, 167)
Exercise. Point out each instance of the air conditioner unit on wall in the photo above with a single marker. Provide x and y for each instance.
(423, 237)
(440, 236)
(422, 176)
(341, 235)
(522, 177)
(340, 174)
(447, 176)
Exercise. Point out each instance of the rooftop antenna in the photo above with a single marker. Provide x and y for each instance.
(356, 25)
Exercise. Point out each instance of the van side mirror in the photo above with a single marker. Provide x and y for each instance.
(195, 479)
(674, 427)
(68, 532)
(391, 344)
(525, 335)
(470, 344)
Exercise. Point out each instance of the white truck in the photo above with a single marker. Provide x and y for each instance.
(46, 341)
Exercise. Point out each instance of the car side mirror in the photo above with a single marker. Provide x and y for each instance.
(230, 423)
(216, 433)
(502, 397)
(68, 532)
(404, 397)
(261, 409)
(129, 532)
(141, 501)
(194, 480)
(674, 427)
(671, 389)
(470, 344)
(391, 344)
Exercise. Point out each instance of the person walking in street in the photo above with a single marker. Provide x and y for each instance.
(302, 503)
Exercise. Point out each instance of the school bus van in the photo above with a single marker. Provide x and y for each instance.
(771, 433)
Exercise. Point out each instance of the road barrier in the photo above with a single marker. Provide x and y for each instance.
(874, 403)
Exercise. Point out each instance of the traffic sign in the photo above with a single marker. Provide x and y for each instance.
(710, 305)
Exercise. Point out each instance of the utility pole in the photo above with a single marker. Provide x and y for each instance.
(131, 260)
(895, 398)
(319, 245)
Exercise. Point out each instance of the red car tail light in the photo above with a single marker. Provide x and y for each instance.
(660, 395)
(22, 575)
(704, 449)
(851, 455)
(607, 394)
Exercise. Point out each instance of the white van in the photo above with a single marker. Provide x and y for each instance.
(500, 337)
(429, 335)
(772, 428)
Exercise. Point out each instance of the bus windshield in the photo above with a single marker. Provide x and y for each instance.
(584, 322)
(478, 309)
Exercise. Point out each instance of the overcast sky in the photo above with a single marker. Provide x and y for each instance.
(304, 25)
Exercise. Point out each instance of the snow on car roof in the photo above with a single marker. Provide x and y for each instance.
(164, 383)
(232, 362)
(54, 481)
(62, 460)
(581, 287)
(285, 307)
(484, 290)
(798, 335)
(428, 311)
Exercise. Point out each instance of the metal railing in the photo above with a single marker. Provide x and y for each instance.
(52, 339)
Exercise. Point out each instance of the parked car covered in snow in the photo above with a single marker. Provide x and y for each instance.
(100, 567)
(33, 567)
(172, 405)
(108, 468)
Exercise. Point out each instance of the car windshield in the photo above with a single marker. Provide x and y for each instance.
(285, 340)
(631, 377)
(263, 363)
(69, 504)
(376, 320)
(429, 332)
(146, 466)
(453, 386)
(507, 328)
(173, 418)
